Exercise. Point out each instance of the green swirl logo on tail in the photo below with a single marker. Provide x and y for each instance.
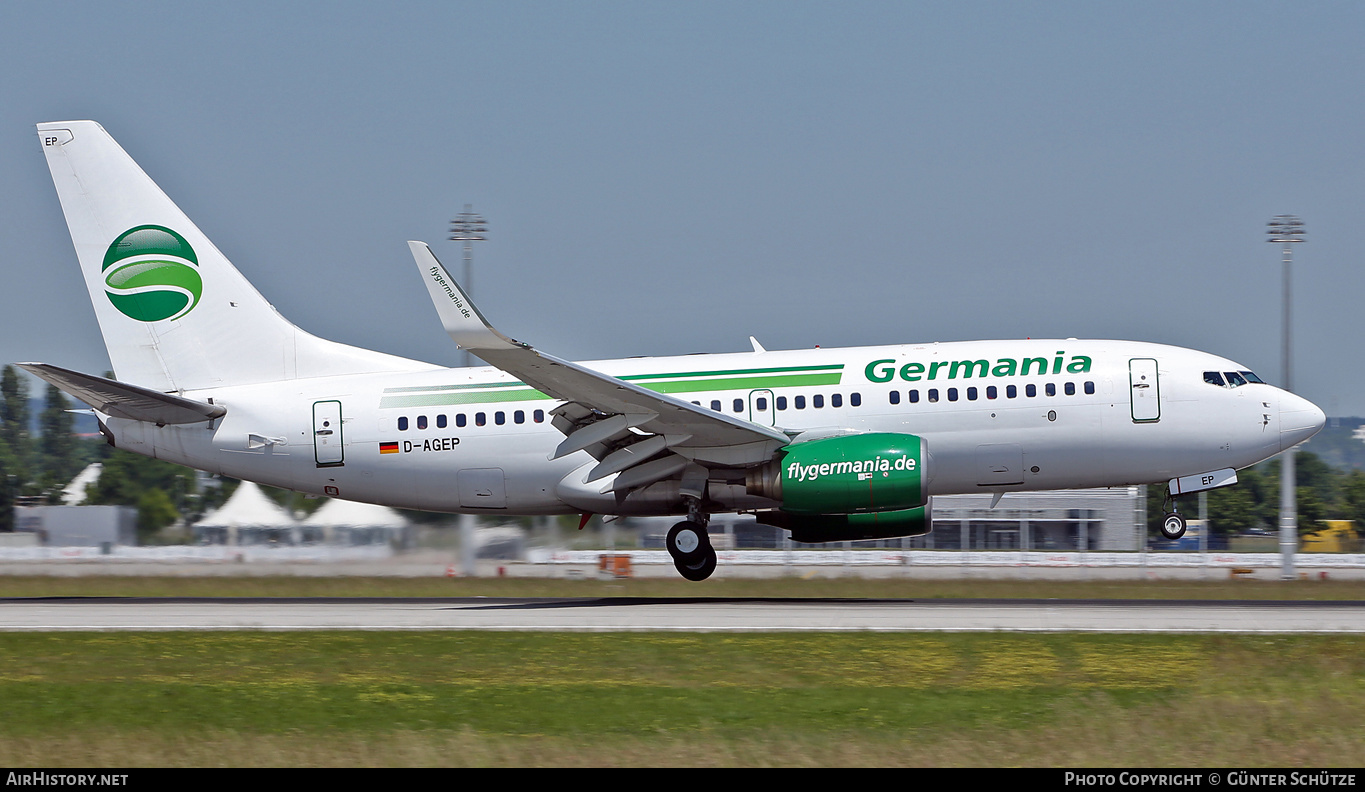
(152, 274)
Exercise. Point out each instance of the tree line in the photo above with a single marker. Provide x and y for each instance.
(38, 460)
(1321, 492)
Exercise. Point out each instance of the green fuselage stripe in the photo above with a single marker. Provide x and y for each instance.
(835, 368)
(457, 394)
(743, 383)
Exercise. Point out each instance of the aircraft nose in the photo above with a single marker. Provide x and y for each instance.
(1300, 419)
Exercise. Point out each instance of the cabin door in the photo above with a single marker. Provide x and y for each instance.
(1145, 390)
(327, 448)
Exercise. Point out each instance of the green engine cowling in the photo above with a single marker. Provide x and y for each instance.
(850, 474)
(816, 528)
(867, 486)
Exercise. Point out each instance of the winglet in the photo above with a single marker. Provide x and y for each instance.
(461, 319)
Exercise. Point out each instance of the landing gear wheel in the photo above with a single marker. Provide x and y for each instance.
(688, 543)
(700, 570)
(1173, 526)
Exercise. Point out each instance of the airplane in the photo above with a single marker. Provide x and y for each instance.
(829, 444)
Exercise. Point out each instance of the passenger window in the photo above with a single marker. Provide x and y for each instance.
(739, 405)
(837, 400)
(933, 397)
(1011, 391)
(715, 405)
(480, 419)
(800, 402)
(460, 420)
(1071, 389)
(403, 426)
(519, 416)
(1051, 388)
(971, 394)
(817, 401)
(1090, 388)
(781, 402)
(440, 422)
(952, 394)
(1214, 378)
(855, 399)
(895, 397)
(991, 392)
(914, 397)
(421, 422)
(538, 416)
(761, 404)
(499, 417)
(1030, 391)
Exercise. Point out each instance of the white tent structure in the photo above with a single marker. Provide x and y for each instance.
(74, 493)
(249, 517)
(350, 523)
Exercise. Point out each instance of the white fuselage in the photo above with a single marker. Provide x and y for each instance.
(996, 415)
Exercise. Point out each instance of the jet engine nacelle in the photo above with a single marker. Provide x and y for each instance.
(866, 486)
(850, 474)
(816, 528)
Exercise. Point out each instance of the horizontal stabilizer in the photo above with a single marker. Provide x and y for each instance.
(121, 400)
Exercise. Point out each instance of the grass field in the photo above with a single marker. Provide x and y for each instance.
(540, 699)
(239, 699)
(247, 586)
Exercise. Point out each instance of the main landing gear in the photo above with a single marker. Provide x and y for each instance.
(690, 546)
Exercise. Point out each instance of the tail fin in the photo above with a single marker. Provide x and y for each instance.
(174, 312)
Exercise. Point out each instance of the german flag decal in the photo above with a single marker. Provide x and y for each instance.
(388, 448)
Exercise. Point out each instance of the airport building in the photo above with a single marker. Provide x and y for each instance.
(77, 526)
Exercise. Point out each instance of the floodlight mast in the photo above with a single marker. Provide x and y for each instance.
(468, 227)
(1286, 230)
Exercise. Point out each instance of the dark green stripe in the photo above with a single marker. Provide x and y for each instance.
(746, 383)
(836, 368)
(685, 386)
(734, 372)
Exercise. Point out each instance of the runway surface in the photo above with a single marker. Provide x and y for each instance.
(680, 614)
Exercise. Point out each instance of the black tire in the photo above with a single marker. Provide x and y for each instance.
(687, 542)
(1173, 526)
(700, 570)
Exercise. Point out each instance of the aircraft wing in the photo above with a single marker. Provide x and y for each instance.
(644, 435)
(122, 400)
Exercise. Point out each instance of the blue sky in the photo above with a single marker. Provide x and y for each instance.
(664, 178)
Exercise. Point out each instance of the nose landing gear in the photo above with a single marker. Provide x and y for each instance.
(1173, 524)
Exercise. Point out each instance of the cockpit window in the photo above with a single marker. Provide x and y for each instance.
(1231, 379)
